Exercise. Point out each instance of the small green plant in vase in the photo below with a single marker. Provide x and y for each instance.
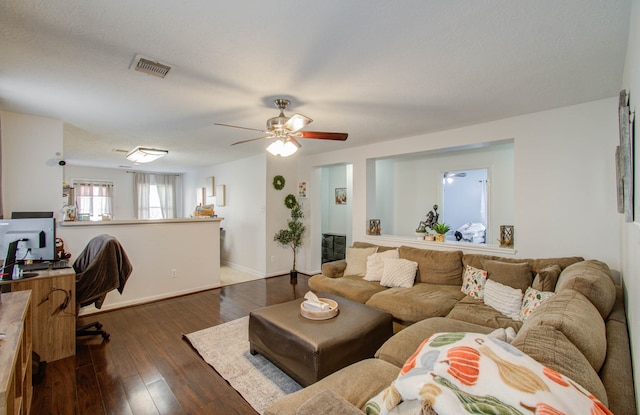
(421, 231)
(441, 229)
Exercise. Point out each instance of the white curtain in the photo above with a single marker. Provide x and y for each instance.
(155, 196)
(95, 198)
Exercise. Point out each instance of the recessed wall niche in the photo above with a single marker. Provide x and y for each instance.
(403, 188)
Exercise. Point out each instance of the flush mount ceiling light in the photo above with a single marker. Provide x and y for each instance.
(283, 148)
(145, 154)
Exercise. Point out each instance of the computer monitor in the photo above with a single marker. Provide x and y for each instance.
(27, 215)
(9, 261)
(35, 238)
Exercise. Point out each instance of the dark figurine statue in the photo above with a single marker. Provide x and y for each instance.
(432, 218)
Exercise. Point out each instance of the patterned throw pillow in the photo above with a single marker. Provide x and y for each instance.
(460, 373)
(532, 299)
(399, 273)
(503, 298)
(473, 282)
(375, 264)
(356, 259)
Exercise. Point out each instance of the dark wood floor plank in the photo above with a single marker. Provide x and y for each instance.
(147, 367)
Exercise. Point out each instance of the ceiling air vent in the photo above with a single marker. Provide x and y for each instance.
(150, 67)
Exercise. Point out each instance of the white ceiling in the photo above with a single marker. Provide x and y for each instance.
(376, 69)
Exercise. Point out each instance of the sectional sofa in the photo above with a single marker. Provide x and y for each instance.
(579, 331)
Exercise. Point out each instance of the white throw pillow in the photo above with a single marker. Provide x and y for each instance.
(375, 264)
(503, 298)
(399, 273)
(356, 259)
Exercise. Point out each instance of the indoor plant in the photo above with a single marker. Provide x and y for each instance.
(441, 229)
(421, 231)
(292, 235)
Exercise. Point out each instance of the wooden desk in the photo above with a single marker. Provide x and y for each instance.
(15, 354)
(54, 329)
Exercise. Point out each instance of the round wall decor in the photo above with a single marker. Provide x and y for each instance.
(290, 201)
(278, 182)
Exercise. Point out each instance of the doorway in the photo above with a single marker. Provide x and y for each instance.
(465, 204)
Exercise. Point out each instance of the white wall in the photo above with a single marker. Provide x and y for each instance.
(31, 176)
(410, 186)
(631, 231)
(564, 179)
(244, 214)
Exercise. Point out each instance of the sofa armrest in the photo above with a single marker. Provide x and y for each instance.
(334, 269)
(328, 402)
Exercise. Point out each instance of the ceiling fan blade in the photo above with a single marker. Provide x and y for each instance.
(251, 139)
(296, 122)
(322, 135)
(236, 126)
(294, 141)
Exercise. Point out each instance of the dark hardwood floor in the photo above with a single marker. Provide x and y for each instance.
(146, 367)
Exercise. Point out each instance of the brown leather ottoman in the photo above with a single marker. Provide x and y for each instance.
(308, 350)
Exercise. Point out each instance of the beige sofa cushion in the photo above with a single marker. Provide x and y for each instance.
(514, 275)
(593, 280)
(475, 260)
(477, 312)
(546, 278)
(572, 314)
(355, 383)
(552, 349)
(328, 402)
(356, 259)
(418, 302)
(351, 287)
(435, 267)
(368, 245)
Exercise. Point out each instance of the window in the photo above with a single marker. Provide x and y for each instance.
(94, 198)
(155, 196)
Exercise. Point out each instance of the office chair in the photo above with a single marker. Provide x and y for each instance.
(101, 267)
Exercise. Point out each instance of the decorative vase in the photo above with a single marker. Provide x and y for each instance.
(440, 237)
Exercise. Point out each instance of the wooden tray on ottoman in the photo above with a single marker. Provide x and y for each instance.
(309, 350)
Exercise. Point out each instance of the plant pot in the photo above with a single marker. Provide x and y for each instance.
(430, 237)
(420, 235)
(293, 277)
(440, 237)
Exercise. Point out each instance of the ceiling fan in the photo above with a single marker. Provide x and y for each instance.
(286, 131)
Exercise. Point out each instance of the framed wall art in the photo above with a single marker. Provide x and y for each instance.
(302, 190)
(341, 195)
(624, 159)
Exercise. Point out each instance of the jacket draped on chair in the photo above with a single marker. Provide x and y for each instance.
(102, 266)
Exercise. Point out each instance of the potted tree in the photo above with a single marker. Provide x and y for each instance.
(441, 229)
(292, 235)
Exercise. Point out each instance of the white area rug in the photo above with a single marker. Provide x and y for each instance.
(226, 348)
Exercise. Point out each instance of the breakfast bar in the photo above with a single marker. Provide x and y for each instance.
(170, 257)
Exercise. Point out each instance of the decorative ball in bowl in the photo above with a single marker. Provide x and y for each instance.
(314, 314)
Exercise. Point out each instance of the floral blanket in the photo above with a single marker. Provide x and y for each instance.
(471, 373)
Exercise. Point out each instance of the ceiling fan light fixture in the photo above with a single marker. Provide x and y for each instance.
(145, 154)
(276, 147)
(283, 148)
